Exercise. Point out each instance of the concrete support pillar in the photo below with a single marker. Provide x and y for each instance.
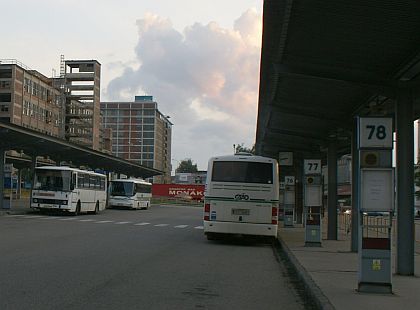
(332, 191)
(405, 182)
(2, 158)
(355, 157)
(33, 165)
(19, 184)
(299, 191)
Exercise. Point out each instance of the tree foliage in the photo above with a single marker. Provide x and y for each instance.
(242, 148)
(186, 166)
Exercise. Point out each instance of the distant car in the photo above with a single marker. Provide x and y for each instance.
(345, 209)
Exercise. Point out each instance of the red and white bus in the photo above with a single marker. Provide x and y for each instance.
(68, 189)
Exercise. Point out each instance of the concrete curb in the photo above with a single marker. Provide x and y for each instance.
(313, 290)
(14, 212)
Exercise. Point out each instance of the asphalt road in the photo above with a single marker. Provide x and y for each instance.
(147, 259)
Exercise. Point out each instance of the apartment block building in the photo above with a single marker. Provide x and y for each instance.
(29, 99)
(140, 133)
(65, 106)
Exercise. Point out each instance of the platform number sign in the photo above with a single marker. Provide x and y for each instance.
(312, 166)
(289, 180)
(375, 132)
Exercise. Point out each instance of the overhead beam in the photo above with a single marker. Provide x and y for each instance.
(301, 148)
(293, 133)
(304, 113)
(361, 79)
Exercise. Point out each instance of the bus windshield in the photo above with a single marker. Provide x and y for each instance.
(121, 188)
(242, 172)
(52, 180)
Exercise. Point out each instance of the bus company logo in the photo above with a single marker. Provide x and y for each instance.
(241, 197)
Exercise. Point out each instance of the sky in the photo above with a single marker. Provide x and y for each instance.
(199, 59)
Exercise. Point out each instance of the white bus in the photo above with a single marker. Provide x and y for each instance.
(68, 189)
(130, 193)
(241, 196)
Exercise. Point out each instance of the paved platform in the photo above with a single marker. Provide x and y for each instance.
(329, 273)
(17, 206)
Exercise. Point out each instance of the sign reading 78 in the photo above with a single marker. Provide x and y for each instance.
(375, 132)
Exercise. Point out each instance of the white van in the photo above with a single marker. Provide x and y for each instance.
(241, 196)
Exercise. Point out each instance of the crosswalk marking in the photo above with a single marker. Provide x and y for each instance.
(98, 222)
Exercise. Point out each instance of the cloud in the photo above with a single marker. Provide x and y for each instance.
(206, 78)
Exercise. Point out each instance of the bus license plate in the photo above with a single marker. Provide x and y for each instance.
(240, 211)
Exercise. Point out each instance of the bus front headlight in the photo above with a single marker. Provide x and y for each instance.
(64, 202)
(35, 200)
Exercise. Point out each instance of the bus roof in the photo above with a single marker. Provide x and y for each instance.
(243, 157)
(131, 180)
(66, 168)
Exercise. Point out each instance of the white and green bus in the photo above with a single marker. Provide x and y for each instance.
(241, 196)
(68, 189)
(130, 193)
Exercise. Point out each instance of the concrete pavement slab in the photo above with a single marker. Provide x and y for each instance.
(332, 269)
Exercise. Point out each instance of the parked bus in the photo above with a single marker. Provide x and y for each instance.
(241, 196)
(130, 193)
(68, 189)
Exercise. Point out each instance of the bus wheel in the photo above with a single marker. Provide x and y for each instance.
(96, 208)
(78, 207)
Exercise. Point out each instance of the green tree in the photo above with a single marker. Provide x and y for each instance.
(244, 149)
(186, 166)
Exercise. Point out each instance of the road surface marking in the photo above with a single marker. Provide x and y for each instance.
(17, 215)
(181, 226)
(100, 222)
(121, 223)
(142, 224)
(68, 219)
(86, 220)
(199, 227)
(161, 225)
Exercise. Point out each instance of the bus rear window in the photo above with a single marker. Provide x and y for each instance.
(242, 172)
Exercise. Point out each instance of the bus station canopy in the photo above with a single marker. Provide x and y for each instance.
(324, 62)
(33, 143)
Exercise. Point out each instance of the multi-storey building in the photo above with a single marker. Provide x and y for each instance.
(82, 92)
(29, 99)
(140, 133)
